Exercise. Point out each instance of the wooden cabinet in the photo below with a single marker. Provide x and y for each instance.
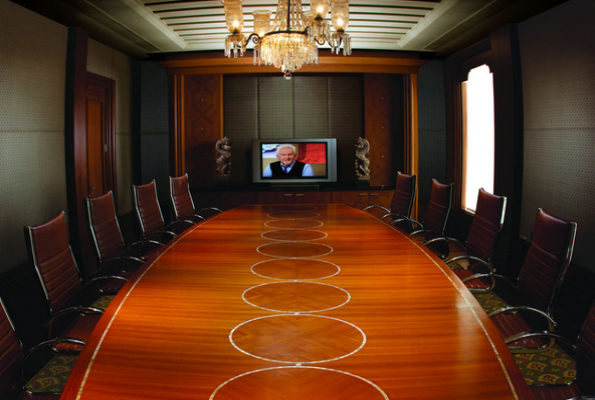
(294, 197)
(225, 200)
(229, 200)
(362, 198)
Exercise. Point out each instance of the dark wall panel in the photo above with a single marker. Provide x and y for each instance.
(154, 127)
(240, 115)
(311, 111)
(559, 118)
(305, 107)
(275, 108)
(432, 127)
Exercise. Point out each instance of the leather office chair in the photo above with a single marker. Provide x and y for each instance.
(437, 213)
(51, 255)
(12, 362)
(481, 240)
(583, 387)
(111, 249)
(182, 202)
(538, 283)
(149, 215)
(403, 198)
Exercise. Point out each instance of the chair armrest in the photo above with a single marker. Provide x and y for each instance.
(481, 275)
(70, 310)
(489, 266)
(167, 231)
(103, 278)
(443, 239)
(512, 309)
(382, 208)
(537, 334)
(52, 342)
(420, 229)
(399, 216)
(120, 258)
(144, 242)
(210, 208)
(97, 280)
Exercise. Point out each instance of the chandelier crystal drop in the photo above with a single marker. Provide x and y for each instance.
(291, 40)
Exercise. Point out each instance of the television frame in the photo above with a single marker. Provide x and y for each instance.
(331, 164)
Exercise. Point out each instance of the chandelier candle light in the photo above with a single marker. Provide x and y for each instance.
(291, 40)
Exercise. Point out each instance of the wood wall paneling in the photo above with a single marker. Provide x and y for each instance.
(293, 197)
(202, 127)
(76, 151)
(195, 127)
(378, 128)
(377, 62)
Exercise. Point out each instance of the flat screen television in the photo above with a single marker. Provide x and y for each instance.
(315, 161)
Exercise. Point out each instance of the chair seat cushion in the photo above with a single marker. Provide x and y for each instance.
(52, 377)
(551, 367)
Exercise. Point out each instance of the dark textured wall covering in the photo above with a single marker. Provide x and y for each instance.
(305, 107)
(154, 127)
(432, 127)
(559, 113)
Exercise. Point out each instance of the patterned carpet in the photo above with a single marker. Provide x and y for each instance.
(53, 376)
(552, 367)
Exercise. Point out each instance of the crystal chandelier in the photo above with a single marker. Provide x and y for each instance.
(290, 42)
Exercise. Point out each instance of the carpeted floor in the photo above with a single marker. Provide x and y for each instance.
(553, 366)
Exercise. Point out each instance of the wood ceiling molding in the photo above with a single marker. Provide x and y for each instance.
(360, 62)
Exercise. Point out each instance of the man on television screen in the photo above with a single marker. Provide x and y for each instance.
(287, 166)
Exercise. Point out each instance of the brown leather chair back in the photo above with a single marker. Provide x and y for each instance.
(105, 227)
(439, 207)
(487, 224)
(11, 359)
(546, 262)
(404, 195)
(148, 211)
(51, 255)
(180, 196)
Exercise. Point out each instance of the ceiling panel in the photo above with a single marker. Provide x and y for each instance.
(142, 27)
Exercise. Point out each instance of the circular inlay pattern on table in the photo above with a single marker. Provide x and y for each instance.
(292, 207)
(294, 249)
(295, 269)
(294, 235)
(297, 338)
(293, 214)
(296, 297)
(293, 223)
(298, 383)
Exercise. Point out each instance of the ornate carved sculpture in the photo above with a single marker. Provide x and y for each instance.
(223, 147)
(362, 148)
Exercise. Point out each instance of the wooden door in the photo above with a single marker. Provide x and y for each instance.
(99, 93)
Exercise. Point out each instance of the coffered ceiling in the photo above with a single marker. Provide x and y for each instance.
(142, 27)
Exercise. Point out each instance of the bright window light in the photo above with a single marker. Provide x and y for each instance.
(478, 135)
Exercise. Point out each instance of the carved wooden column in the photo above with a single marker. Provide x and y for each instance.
(411, 148)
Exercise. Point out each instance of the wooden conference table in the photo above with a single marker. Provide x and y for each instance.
(296, 302)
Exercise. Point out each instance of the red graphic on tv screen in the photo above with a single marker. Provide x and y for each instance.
(312, 153)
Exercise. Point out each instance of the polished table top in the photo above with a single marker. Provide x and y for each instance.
(295, 302)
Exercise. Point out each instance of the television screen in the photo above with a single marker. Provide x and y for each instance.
(294, 160)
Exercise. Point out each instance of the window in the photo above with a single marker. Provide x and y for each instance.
(478, 135)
